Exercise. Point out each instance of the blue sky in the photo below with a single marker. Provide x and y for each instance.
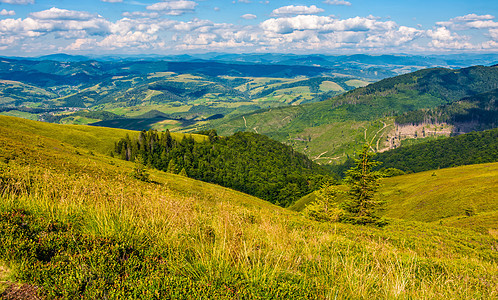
(38, 27)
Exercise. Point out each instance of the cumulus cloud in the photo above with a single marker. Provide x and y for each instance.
(470, 21)
(296, 10)
(324, 24)
(249, 16)
(337, 2)
(446, 35)
(62, 14)
(443, 38)
(174, 8)
(291, 29)
(63, 23)
(5, 12)
(494, 34)
(22, 2)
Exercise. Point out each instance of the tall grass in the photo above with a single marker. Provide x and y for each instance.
(249, 251)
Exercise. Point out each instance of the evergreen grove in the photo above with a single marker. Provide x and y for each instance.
(247, 162)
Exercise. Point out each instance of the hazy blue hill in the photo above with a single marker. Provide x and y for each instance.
(64, 57)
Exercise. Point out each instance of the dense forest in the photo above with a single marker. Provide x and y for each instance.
(465, 149)
(481, 109)
(246, 162)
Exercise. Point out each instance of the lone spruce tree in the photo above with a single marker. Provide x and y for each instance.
(140, 170)
(363, 183)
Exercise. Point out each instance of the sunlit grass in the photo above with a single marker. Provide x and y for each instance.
(203, 240)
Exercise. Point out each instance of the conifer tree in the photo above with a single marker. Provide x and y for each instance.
(363, 183)
(183, 173)
(172, 168)
(140, 170)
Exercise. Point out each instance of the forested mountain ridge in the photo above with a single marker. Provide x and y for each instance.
(361, 109)
(465, 149)
(478, 112)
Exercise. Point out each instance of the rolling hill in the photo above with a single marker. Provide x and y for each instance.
(326, 128)
(461, 196)
(75, 224)
(192, 91)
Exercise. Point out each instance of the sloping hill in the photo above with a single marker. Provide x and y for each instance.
(477, 112)
(77, 225)
(435, 195)
(465, 197)
(91, 138)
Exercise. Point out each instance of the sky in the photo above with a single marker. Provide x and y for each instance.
(103, 27)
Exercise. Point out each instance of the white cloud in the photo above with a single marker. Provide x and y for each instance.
(470, 21)
(22, 2)
(296, 10)
(174, 8)
(494, 34)
(137, 39)
(472, 17)
(249, 16)
(337, 2)
(81, 44)
(294, 29)
(442, 38)
(5, 12)
(63, 23)
(324, 24)
(141, 14)
(62, 14)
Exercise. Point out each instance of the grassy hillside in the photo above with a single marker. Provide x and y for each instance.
(79, 226)
(435, 195)
(90, 138)
(362, 108)
(463, 197)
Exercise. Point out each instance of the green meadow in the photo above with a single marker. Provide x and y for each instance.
(74, 223)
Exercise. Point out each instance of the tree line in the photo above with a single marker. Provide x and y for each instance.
(247, 162)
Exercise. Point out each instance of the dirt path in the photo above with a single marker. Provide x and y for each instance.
(245, 122)
(378, 140)
(318, 157)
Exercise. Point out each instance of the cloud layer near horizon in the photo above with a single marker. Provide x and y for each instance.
(291, 28)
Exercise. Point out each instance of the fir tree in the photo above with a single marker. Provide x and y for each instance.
(363, 183)
(140, 170)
